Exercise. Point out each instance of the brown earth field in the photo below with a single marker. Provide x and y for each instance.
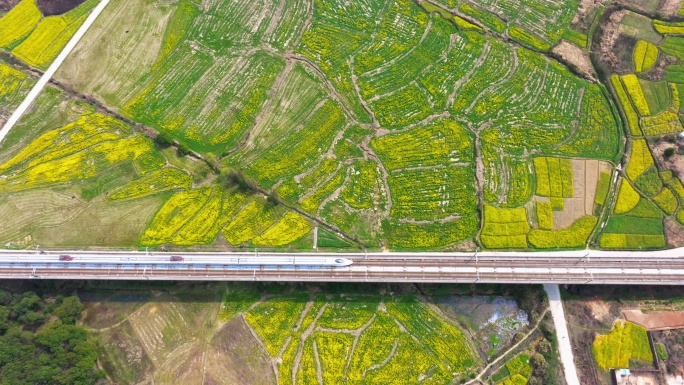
(657, 320)
(6, 5)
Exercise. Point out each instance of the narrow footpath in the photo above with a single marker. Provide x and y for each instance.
(36, 90)
(564, 347)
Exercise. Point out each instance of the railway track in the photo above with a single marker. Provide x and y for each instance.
(574, 267)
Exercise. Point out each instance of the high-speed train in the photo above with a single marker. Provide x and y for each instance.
(144, 259)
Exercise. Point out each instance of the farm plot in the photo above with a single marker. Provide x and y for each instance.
(196, 216)
(567, 190)
(80, 150)
(360, 338)
(135, 32)
(505, 228)
(516, 371)
(14, 85)
(626, 341)
(51, 35)
(176, 100)
(543, 21)
(637, 223)
(392, 138)
(427, 169)
(19, 22)
(347, 27)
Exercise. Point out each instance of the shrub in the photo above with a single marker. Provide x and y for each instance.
(661, 350)
(669, 152)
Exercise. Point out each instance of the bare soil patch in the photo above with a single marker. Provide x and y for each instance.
(585, 175)
(676, 161)
(57, 7)
(235, 357)
(599, 309)
(657, 320)
(575, 57)
(6, 5)
(669, 8)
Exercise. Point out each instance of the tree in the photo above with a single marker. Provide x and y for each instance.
(273, 198)
(162, 141)
(669, 152)
(183, 150)
(69, 310)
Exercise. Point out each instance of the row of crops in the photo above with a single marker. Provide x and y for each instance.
(537, 24)
(357, 339)
(36, 39)
(418, 130)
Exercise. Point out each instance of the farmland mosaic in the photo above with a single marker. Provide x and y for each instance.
(394, 124)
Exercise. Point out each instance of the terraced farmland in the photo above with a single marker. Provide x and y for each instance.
(391, 124)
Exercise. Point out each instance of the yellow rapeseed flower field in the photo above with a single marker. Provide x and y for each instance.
(19, 22)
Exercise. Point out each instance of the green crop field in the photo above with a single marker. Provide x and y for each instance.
(363, 338)
(392, 124)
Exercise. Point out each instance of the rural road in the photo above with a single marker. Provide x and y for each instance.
(47, 75)
(564, 347)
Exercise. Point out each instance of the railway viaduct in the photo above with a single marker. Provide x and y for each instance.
(664, 267)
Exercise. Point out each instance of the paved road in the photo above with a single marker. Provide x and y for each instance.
(659, 267)
(564, 347)
(42, 82)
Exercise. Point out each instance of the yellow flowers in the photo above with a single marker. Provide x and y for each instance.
(640, 159)
(645, 55)
(630, 113)
(625, 341)
(288, 229)
(155, 182)
(668, 28)
(505, 228)
(79, 150)
(47, 40)
(554, 177)
(175, 213)
(635, 92)
(627, 198)
(574, 236)
(18, 22)
(545, 215)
